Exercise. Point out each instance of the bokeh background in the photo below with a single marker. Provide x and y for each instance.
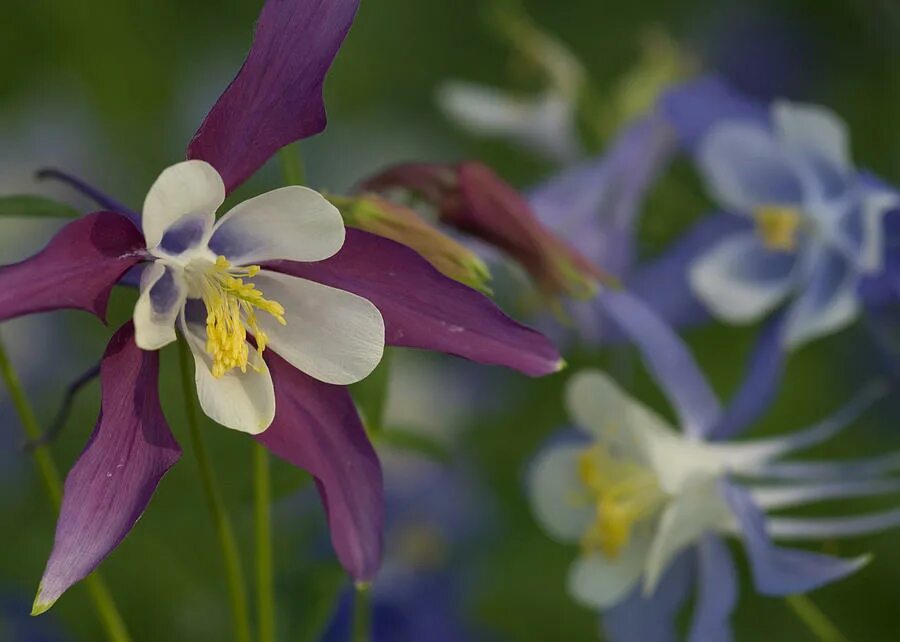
(113, 90)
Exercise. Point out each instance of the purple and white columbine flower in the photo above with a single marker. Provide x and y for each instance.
(650, 504)
(817, 222)
(280, 268)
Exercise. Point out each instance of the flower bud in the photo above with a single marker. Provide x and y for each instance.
(471, 198)
(377, 215)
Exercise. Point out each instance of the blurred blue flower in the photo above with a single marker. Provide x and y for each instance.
(650, 505)
(17, 625)
(813, 223)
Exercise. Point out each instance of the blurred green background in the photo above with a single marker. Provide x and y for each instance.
(113, 90)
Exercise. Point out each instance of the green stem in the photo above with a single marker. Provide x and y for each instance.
(227, 540)
(101, 598)
(362, 614)
(265, 594)
(823, 628)
(292, 164)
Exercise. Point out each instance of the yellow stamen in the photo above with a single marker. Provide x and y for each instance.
(231, 306)
(624, 493)
(778, 225)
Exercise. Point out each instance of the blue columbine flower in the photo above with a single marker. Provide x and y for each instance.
(651, 505)
(815, 223)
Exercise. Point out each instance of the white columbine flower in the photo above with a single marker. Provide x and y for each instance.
(209, 277)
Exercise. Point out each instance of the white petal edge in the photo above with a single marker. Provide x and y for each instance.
(600, 582)
(153, 330)
(291, 223)
(714, 279)
(192, 189)
(697, 509)
(559, 500)
(332, 335)
(241, 401)
(815, 130)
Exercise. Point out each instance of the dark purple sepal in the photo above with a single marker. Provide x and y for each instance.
(77, 269)
(317, 428)
(424, 309)
(112, 482)
(276, 98)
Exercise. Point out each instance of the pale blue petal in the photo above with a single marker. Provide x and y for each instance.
(775, 447)
(740, 281)
(668, 359)
(846, 469)
(781, 571)
(745, 167)
(717, 592)
(823, 528)
(828, 302)
(781, 496)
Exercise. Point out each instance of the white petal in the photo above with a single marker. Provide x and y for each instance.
(600, 582)
(292, 223)
(745, 167)
(237, 400)
(332, 335)
(697, 509)
(814, 130)
(597, 403)
(739, 280)
(558, 497)
(163, 292)
(544, 123)
(875, 205)
(192, 190)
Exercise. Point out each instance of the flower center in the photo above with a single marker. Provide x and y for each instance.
(624, 493)
(778, 226)
(231, 305)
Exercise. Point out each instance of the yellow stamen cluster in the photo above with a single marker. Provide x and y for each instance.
(624, 492)
(778, 225)
(231, 305)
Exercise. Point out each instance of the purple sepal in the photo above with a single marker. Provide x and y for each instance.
(317, 428)
(424, 309)
(668, 359)
(694, 107)
(111, 484)
(276, 97)
(776, 570)
(760, 385)
(653, 618)
(77, 269)
(717, 592)
(663, 282)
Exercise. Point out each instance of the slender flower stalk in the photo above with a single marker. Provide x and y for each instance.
(227, 541)
(262, 517)
(362, 614)
(292, 164)
(101, 598)
(817, 622)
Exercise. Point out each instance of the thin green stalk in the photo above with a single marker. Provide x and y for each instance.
(292, 164)
(362, 614)
(265, 593)
(817, 622)
(101, 598)
(227, 540)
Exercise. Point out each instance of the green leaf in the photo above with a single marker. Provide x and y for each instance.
(371, 394)
(412, 442)
(25, 206)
